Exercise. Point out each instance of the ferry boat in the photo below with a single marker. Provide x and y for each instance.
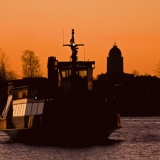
(61, 109)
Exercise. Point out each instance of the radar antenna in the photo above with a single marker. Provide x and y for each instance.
(74, 48)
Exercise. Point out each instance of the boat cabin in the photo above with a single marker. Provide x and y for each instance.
(66, 76)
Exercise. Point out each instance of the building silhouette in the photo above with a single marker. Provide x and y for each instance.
(115, 60)
(125, 93)
(115, 69)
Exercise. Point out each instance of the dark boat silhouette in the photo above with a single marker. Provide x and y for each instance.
(61, 109)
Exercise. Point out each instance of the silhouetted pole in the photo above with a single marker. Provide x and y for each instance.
(74, 50)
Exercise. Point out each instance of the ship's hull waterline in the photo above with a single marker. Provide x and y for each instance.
(45, 137)
(41, 122)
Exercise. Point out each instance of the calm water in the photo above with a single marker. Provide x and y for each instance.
(138, 139)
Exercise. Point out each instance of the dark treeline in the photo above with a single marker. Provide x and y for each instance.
(30, 66)
(137, 96)
(3, 94)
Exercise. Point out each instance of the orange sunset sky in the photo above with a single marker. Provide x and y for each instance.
(38, 25)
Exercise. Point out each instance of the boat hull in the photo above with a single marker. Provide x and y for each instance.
(44, 137)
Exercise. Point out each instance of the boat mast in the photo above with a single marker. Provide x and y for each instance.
(74, 49)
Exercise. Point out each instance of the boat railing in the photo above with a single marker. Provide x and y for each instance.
(7, 106)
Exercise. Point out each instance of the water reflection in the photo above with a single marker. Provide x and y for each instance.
(139, 138)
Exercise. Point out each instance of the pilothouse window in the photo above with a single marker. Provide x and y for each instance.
(65, 73)
(80, 72)
(83, 73)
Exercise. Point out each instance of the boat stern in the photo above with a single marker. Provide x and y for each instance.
(3, 124)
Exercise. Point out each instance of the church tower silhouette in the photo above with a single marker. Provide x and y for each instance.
(115, 60)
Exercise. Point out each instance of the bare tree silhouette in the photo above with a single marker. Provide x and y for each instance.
(5, 72)
(135, 73)
(157, 70)
(31, 64)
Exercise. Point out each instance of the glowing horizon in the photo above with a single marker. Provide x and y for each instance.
(38, 26)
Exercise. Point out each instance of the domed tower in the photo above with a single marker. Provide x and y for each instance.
(115, 60)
